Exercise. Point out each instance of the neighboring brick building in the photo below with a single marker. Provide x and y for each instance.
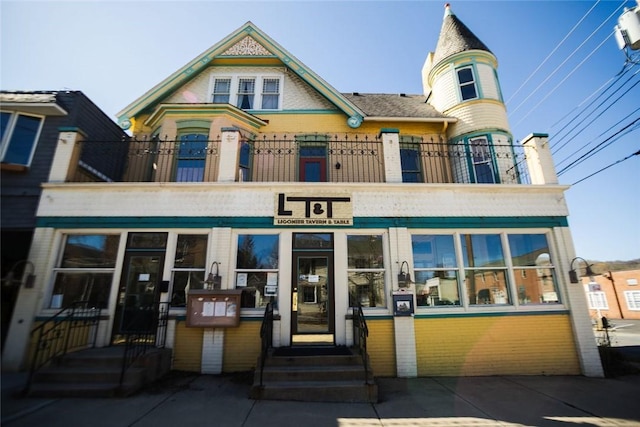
(615, 295)
(249, 167)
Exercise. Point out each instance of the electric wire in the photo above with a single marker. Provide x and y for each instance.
(611, 104)
(617, 135)
(607, 167)
(569, 57)
(563, 80)
(552, 52)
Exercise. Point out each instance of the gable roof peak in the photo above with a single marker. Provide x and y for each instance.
(455, 37)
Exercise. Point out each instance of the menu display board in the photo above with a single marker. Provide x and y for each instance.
(213, 308)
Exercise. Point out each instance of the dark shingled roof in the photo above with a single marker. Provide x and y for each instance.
(394, 105)
(455, 37)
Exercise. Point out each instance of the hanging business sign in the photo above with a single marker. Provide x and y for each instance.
(321, 210)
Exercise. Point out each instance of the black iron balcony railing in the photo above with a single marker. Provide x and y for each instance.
(281, 158)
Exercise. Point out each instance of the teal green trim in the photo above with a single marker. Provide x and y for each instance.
(389, 130)
(280, 112)
(267, 222)
(193, 124)
(312, 137)
(539, 135)
(491, 314)
(374, 318)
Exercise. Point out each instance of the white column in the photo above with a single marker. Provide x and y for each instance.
(28, 303)
(212, 351)
(391, 148)
(229, 155)
(66, 156)
(539, 161)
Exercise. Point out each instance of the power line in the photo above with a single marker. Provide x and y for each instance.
(553, 51)
(569, 57)
(607, 167)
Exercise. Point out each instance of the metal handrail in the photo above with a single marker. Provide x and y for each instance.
(73, 328)
(360, 334)
(266, 336)
(150, 332)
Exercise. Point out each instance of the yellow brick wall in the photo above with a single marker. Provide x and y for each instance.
(241, 347)
(499, 345)
(381, 347)
(187, 350)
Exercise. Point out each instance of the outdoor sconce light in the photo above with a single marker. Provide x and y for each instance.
(573, 274)
(9, 280)
(404, 278)
(214, 281)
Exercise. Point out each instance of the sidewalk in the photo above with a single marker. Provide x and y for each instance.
(210, 400)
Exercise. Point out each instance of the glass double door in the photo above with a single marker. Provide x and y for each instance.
(312, 310)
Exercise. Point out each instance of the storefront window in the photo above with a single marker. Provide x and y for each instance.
(435, 269)
(85, 272)
(188, 266)
(257, 269)
(485, 269)
(532, 268)
(366, 271)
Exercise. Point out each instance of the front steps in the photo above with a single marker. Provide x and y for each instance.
(96, 373)
(315, 376)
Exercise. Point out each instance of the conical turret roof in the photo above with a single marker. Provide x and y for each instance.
(455, 37)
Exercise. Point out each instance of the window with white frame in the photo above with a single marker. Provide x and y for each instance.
(257, 269)
(436, 270)
(188, 266)
(467, 83)
(365, 270)
(486, 278)
(597, 300)
(248, 92)
(633, 299)
(18, 135)
(533, 270)
(482, 161)
(85, 270)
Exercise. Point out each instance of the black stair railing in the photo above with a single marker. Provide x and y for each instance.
(73, 328)
(360, 334)
(147, 329)
(266, 336)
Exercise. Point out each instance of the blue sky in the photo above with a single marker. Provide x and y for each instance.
(555, 60)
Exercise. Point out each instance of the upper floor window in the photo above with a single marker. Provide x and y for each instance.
(191, 158)
(248, 92)
(221, 91)
(313, 163)
(19, 135)
(410, 161)
(467, 83)
(246, 157)
(482, 161)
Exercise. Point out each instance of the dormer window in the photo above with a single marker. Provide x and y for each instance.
(467, 83)
(248, 92)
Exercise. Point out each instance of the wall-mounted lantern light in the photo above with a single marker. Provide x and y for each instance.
(574, 277)
(29, 279)
(214, 281)
(404, 278)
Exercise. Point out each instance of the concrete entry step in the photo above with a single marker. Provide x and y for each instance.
(315, 375)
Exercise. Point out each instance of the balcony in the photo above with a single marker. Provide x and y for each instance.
(351, 158)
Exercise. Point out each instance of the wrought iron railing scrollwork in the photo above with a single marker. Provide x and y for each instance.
(147, 329)
(73, 328)
(266, 336)
(360, 334)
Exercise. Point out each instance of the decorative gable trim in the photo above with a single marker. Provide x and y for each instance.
(247, 47)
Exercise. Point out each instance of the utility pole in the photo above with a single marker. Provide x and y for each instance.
(615, 292)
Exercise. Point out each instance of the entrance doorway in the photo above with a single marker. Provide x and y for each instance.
(312, 299)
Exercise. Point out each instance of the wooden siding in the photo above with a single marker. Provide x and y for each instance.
(381, 347)
(474, 116)
(187, 350)
(500, 345)
(241, 347)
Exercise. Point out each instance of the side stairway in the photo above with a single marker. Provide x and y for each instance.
(315, 374)
(96, 373)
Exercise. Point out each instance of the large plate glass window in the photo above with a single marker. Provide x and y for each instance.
(366, 271)
(188, 266)
(485, 269)
(85, 270)
(257, 269)
(435, 268)
(533, 271)
(19, 133)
